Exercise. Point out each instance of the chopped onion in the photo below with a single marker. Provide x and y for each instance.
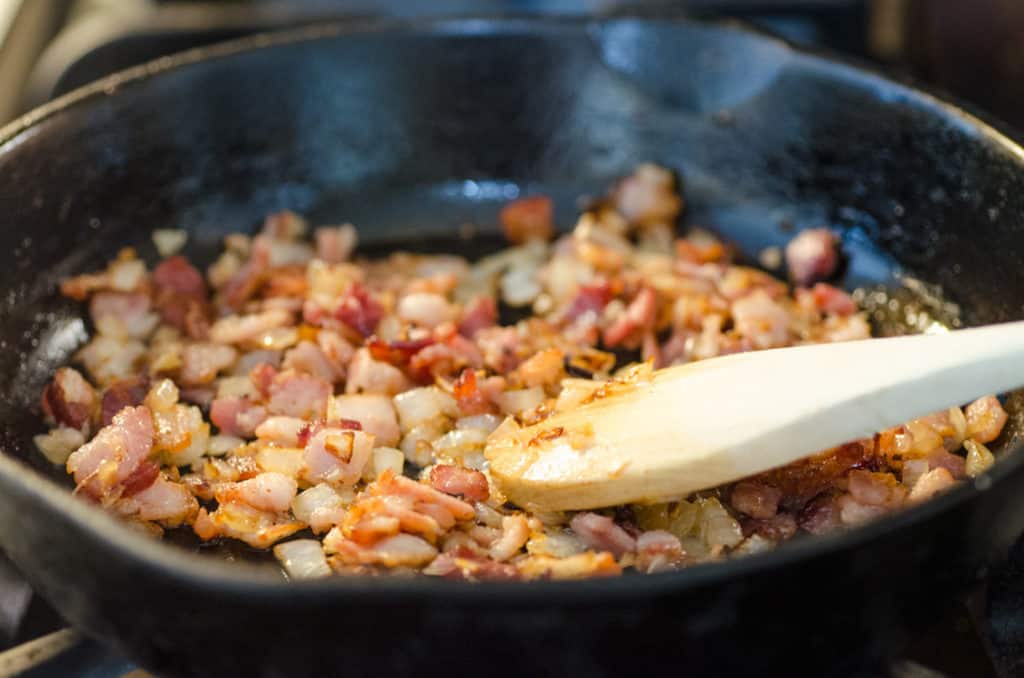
(514, 402)
(58, 444)
(221, 444)
(385, 458)
(716, 527)
(422, 405)
(456, 444)
(318, 497)
(979, 458)
(285, 460)
(169, 241)
(303, 559)
(239, 387)
(417, 444)
(482, 422)
(556, 543)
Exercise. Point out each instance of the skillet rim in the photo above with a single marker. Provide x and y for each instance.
(173, 562)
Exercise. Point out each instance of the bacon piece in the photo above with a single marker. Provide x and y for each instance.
(648, 196)
(238, 329)
(237, 416)
(820, 515)
(830, 299)
(528, 219)
(955, 464)
(69, 399)
(802, 480)
(425, 309)
(588, 299)
(271, 492)
(761, 319)
(460, 482)
(366, 375)
(400, 550)
(177, 274)
(515, 532)
(201, 362)
(657, 551)
(985, 419)
(121, 315)
(470, 398)
(121, 394)
(359, 310)
(544, 367)
(245, 283)
(440, 359)
(876, 489)
(602, 534)
(579, 566)
(812, 256)
(479, 313)
(334, 244)
(399, 351)
(930, 484)
(463, 564)
(309, 358)
(779, 527)
(852, 512)
(757, 500)
(285, 282)
(298, 395)
(337, 455)
(105, 462)
(163, 501)
(638, 318)
(373, 413)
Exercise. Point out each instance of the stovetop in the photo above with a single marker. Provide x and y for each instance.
(76, 42)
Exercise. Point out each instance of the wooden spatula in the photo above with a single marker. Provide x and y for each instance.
(700, 425)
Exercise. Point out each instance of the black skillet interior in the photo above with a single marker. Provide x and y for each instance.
(411, 132)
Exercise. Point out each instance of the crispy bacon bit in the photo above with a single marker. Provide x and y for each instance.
(812, 256)
(69, 399)
(955, 464)
(802, 480)
(639, 318)
(399, 351)
(657, 551)
(876, 489)
(589, 299)
(985, 419)
(103, 464)
(820, 515)
(244, 284)
(481, 312)
(141, 478)
(832, 300)
(359, 310)
(755, 499)
(470, 398)
(121, 394)
(602, 534)
(464, 564)
(237, 416)
(528, 219)
(460, 482)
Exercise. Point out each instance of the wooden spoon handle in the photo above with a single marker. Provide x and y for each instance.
(707, 423)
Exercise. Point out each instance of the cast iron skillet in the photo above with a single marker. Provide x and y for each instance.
(411, 130)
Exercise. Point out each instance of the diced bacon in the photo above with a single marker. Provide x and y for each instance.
(481, 312)
(460, 482)
(400, 550)
(284, 282)
(114, 454)
(579, 566)
(544, 367)
(589, 299)
(757, 500)
(602, 534)
(178, 275)
(258, 529)
(442, 359)
(271, 492)
(638, 318)
(246, 282)
(336, 455)
(121, 394)
(830, 299)
(471, 399)
(359, 310)
(514, 534)
(298, 395)
(648, 196)
(390, 484)
(282, 430)
(334, 244)
(985, 419)
(779, 527)
(820, 515)
(374, 413)
(930, 484)
(463, 564)
(201, 362)
(262, 377)
(236, 329)
(366, 375)
(876, 489)
(425, 309)
(761, 319)
(812, 256)
(499, 347)
(122, 315)
(955, 464)
(310, 358)
(335, 348)
(163, 501)
(853, 512)
(69, 399)
(399, 351)
(528, 219)
(237, 416)
(657, 551)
